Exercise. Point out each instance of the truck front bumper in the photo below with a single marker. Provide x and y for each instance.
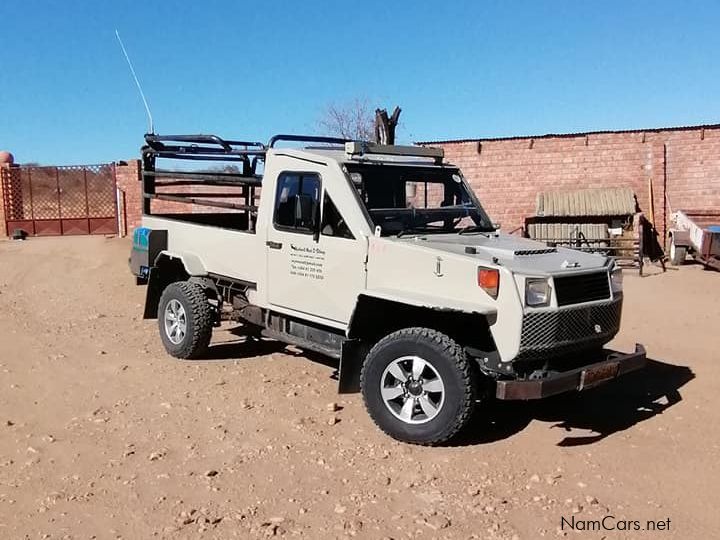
(614, 365)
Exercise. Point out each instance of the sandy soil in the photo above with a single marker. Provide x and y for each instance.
(102, 435)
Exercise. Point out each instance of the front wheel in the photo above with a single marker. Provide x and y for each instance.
(418, 386)
(185, 318)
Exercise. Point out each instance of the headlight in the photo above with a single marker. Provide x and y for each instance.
(537, 292)
(616, 279)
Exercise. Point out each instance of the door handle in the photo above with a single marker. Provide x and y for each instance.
(273, 245)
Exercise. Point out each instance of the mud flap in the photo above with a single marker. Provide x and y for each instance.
(152, 293)
(352, 356)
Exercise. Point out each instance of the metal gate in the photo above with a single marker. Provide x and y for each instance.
(46, 201)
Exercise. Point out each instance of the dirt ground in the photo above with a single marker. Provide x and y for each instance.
(102, 435)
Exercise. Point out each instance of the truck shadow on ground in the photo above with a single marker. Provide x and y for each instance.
(605, 410)
(251, 346)
(246, 347)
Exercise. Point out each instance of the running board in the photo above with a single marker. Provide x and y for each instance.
(302, 343)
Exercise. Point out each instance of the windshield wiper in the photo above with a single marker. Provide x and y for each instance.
(427, 229)
(414, 230)
(475, 229)
(407, 231)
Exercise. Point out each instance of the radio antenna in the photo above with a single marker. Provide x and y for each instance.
(137, 83)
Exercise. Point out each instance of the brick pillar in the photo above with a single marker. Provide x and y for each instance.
(11, 191)
(127, 175)
(3, 231)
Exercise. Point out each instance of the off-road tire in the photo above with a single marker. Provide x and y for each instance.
(449, 361)
(677, 253)
(199, 319)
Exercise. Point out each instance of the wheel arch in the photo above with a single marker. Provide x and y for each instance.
(374, 318)
(167, 268)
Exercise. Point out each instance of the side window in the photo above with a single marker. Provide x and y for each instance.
(296, 201)
(332, 222)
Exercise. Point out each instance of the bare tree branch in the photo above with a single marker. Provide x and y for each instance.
(351, 120)
(354, 120)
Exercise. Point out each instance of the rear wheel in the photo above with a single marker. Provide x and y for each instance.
(418, 386)
(677, 253)
(185, 318)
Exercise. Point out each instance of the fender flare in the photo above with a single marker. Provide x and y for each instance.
(158, 279)
(378, 313)
(192, 263)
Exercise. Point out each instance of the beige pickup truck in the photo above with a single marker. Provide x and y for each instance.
(381, 257)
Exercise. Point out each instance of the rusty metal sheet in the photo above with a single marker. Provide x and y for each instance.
(47, 201)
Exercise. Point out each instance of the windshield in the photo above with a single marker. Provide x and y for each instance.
(403, 200)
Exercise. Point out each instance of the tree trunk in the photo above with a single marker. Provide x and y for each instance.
(385, 126)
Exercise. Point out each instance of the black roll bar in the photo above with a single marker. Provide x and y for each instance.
(306, 138)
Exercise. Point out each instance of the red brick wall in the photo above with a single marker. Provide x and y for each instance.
(507, 174)
(693, 170)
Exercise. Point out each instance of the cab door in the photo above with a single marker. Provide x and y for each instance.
(315, 264)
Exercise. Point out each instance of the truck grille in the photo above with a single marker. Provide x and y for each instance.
(554, 333)
(582, 288)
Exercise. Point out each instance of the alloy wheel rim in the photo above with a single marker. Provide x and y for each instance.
(412, 389)
(175, 322)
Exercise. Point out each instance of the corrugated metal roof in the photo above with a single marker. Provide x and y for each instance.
(586, 202)
(571, 135)
(565, 231)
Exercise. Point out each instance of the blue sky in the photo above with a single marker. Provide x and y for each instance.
(252, 69)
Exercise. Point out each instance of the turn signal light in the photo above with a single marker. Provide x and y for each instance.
(489, 281)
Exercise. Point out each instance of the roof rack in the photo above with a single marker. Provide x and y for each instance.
(196, 186)
(214, 148)
(201, 147)
(360, 148)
